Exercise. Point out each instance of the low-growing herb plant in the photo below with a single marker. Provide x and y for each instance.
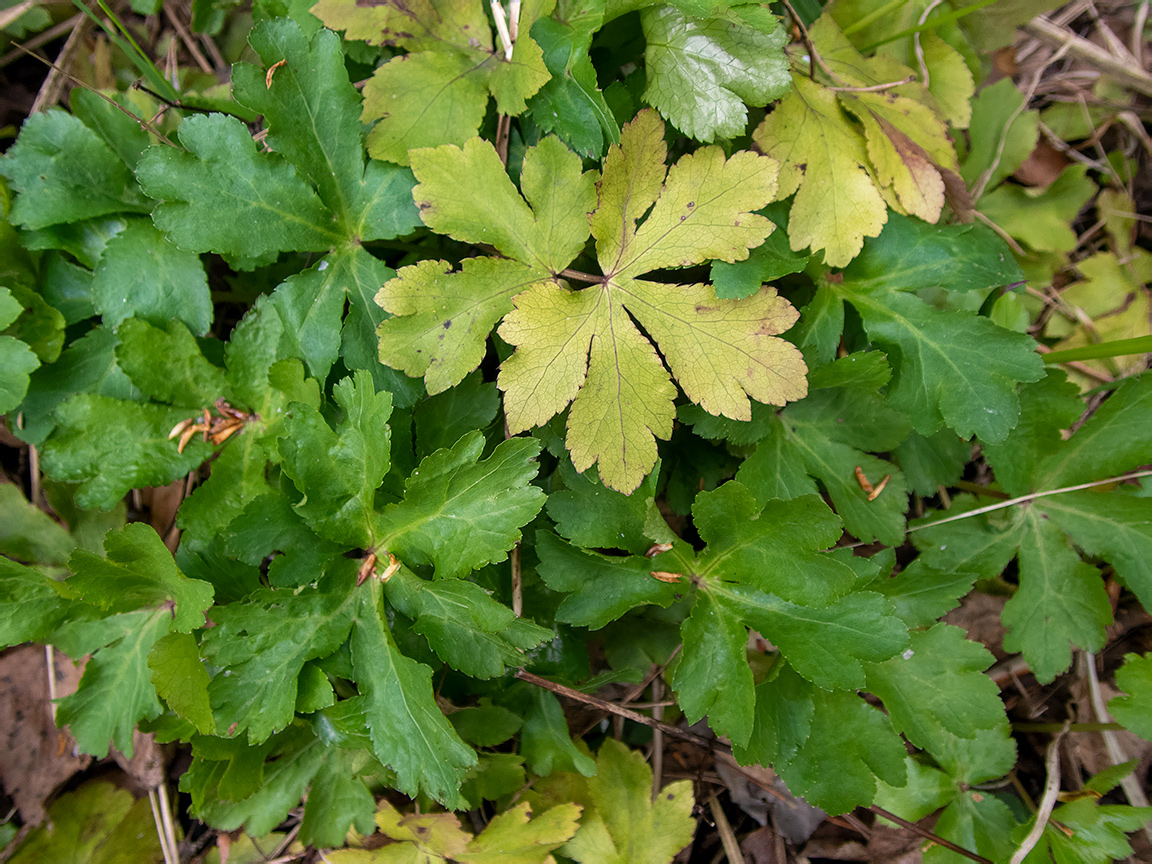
(615, 326)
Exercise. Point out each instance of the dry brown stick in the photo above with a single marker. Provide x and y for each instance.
(619, 711)
(41, 39)
(928, 835)
(1090, 53)
(53, 86)
(186, 38)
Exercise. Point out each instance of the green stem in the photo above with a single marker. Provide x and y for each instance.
(930, 24)
(1116, 348)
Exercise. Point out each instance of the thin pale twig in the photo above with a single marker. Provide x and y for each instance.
(1116, 754)
(928, 835)
(1023, 499)
(1047, 802)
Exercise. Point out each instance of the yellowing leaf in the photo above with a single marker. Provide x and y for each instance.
(823, 160)
(442, 317)
(583, 346)
(949, 79)
(439, 91)
(513, 837)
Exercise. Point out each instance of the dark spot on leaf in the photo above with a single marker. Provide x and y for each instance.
(701, 308)
(691, 204)
(421, 829)
(835, 278)
(423, 205)
(683, 217)
(448, 324)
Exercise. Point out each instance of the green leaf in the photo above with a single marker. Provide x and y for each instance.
(954, 368)
(827, 646)
(593, 516)
(409, 733)
(465, 627)
(1042, 218)
(571, 104)
(31, 604)
(775, 548)
(1134, 709)
(180, 679)
(27, 533)
(443, 419)
(1083, 830)
(922, 594)
(109, 447)
(88, 365)
(461, 512)
(64, 172)
(545, 742)
(1061, 601)
(222, 195)
(139, 572)
(765, 263)
(1110, 442)
(702, 71)
(18, 359)
(600, 588)
(934, 461)
(824, 436)
(167, 365)
(263, 643)
(1003, 134)
(938, 684)
(1112, 526)
(626, 823)
(96, 824)
(116, 691)
(910, 254)
(338, 471)
(141, 274)
(978, 822)
(713, 676)
(312, 112)
(849, 746)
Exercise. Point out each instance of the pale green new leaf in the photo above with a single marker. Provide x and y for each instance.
(513, 837)
(443, 318)
(409, 733)
(624, 823)
(701, 71)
